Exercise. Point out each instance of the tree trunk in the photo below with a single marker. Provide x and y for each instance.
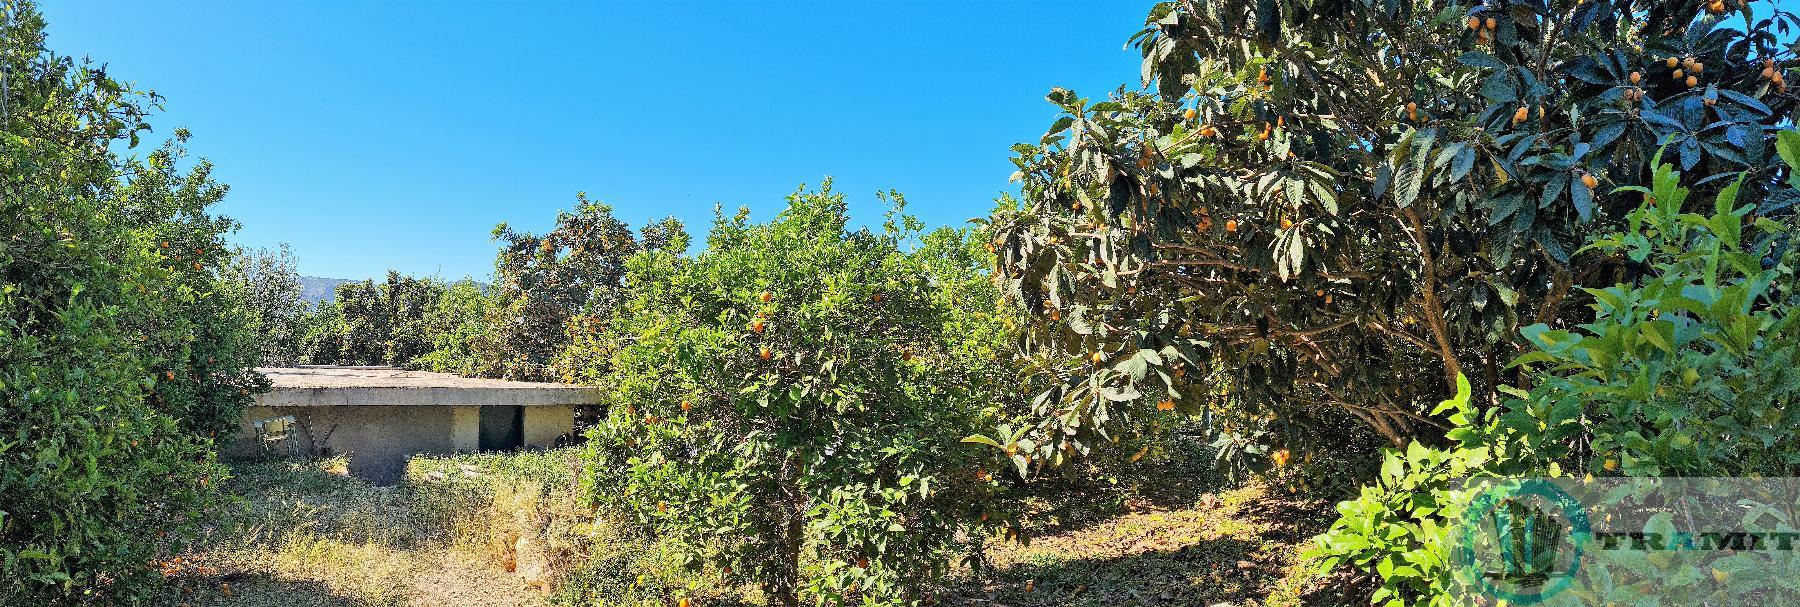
(786, 586)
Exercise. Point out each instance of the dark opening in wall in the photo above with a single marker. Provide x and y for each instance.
(502, 427)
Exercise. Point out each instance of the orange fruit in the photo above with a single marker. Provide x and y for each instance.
(1208, 131)
(1030, 584)
(685, 406)
(1522, 114)
(1231, 225)
(1637, 77)
(1692, 81)
(662, 507)
(757, 326)
(862, 562)
(877, 298)
(1493, 23)
(1474, 23)
(1588, 179)
(1097, 357)
(1412, 111)
(1167, 405)
(1286, 223)
(1671, 62)
(1679, 74)
(764, 353)
(683, 602)
(765, 296)
(1189, 114)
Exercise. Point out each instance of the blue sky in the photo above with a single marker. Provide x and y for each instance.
(377, 135)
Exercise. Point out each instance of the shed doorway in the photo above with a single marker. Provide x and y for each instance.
(502, 428)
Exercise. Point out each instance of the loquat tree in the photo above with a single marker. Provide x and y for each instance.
(1319, 213)
(542, 282)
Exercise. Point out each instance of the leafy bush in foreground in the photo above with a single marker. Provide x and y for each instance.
(1691, 371)
(119, 351)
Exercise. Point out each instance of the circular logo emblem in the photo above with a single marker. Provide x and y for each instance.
(1522, 540)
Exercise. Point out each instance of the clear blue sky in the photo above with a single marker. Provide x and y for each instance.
(377, 135)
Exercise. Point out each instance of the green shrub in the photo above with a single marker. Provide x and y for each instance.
(119, 350)
(1689, 371)
(786, 408)
(1398, 527)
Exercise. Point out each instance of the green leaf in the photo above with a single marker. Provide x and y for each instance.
(1787, 144)
(983, 440)
(1480, 59)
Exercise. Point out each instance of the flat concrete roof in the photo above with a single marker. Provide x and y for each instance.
(319, 386)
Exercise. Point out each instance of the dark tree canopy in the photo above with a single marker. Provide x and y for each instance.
(1328, 209)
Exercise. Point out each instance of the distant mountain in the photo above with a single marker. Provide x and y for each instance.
(314, 289)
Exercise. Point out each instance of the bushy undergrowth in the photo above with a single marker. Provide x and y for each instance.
(1689, 371)
(120, 355)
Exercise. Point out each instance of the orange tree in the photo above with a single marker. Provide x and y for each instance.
(1320, 212)
(786, 406)
(118, 350)
(370, 323)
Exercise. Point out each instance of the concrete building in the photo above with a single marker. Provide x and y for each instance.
(380, 416)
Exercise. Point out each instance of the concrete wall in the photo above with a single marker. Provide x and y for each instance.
(380, 438)
(545, 424)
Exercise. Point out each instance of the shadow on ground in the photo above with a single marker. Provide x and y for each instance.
(1235, 547)
(262, 590)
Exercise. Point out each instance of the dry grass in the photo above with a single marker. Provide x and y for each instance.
(309, 536)
(505, 531)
